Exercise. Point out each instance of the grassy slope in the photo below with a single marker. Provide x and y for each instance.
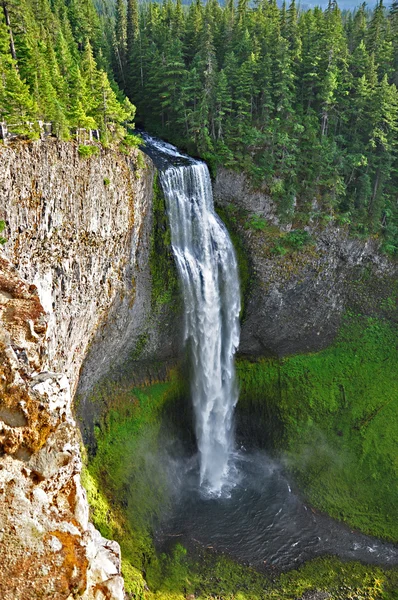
(219, 578)
(337, 411)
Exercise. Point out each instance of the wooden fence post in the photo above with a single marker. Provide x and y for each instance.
(3, 132)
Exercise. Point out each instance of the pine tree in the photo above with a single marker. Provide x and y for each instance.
(194, 24)
(107, 111)
(293, 32)
(173, 71)
(132, 26)
(120, 43)
(133, 61)
(393, 17)
(359, 27)
(222, 104)
(16, 106)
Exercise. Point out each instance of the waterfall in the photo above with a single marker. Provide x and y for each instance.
(208, 270)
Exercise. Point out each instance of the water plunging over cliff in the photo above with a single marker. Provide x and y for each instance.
(208, 270)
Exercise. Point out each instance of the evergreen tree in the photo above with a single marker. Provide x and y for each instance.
(50, 52)
(394, 37)
(120, 43)
(303, 101)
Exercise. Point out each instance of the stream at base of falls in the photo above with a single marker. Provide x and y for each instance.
(260, 522)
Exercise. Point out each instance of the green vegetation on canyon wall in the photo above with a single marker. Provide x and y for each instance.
(125, 483)
(165, 285)
(244, 267)
(335, 414)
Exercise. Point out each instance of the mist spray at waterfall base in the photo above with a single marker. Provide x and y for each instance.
(208, 272)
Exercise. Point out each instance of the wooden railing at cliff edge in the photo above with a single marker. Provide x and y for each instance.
(45, 130)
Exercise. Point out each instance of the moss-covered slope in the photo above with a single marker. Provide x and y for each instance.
(333, 415)
(125, 481)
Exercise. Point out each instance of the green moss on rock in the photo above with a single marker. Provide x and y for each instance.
(210, 576)
(125, 484)
(229, 218)
(336, 412)
(165, 286)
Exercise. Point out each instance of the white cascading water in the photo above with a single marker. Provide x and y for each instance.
(208, 270)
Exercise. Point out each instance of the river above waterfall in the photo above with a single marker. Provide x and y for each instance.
(262, 522)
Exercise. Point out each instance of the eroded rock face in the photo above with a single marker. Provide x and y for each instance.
(76, 228)
(77, 239)
(296, 300)
(47, 547)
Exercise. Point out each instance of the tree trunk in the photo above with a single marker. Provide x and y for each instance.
(8, 24)
(375, 190)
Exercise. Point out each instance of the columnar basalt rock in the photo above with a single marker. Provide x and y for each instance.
(78, 234)
(78, 229)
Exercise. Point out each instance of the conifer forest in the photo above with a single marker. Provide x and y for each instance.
(304, 102)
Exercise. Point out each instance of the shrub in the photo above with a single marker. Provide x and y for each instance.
(2, 227)
(129, 142)
(344, 219)
(87, 151)
(279, 249)
(133, 140)
(256, 222)
(389, 248)
(297, 238)
(106, 181)
(293, 240)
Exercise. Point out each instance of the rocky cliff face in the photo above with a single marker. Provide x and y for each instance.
(78, 229)
(297, 295)
(48, 549)
(78, 241)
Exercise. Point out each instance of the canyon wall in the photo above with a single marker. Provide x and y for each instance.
(78, 240)
(77, 303)
(298, 288)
